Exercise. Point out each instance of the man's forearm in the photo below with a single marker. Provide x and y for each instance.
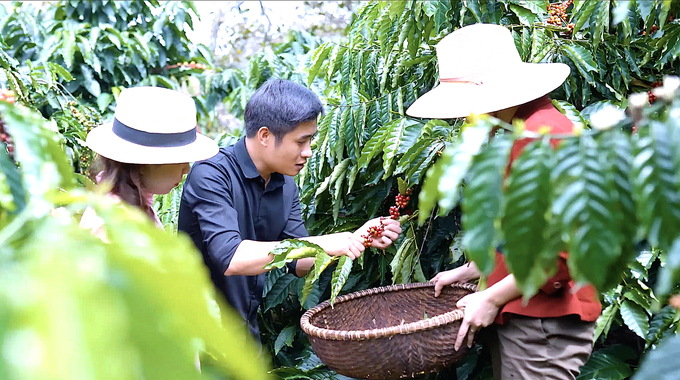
(303, 266)
(250, 258)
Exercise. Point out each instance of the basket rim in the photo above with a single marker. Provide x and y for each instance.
(385, 332)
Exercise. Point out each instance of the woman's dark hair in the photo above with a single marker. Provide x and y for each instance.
(125, 181)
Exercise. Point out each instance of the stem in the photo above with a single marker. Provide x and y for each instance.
(354, 49)
(422, 246)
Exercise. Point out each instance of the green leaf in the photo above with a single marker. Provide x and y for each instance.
(422, 161)
(68, 48)
(429, 8)
(352, 178)
(340, 275)
(443, 179)
(646, 10)
(401, 264)
(661, 363)
(601, 22)
(604, 321)
(345, 132)
(526, 16)
(396, 8)
(635, 317)
(660, 324)
(473, 138)
(402, 186)
(406, 29)
(411, 156)
(618, 148)
(290, 250)
(310, 279)
(483, 201)
(582, 58)
(634, 294)
(606, 364)
(11, 185)
(664, 10)
(44, 165)
(323, 260)
(586, 209)
(541, 44)
(526, 218)
(285, 338)
(655, 184)
(335, 61)
(317, 60)
(401, 135)
(374, 145)
(89, 82)
(568, 110)
(62, 72)
(104, 101)
(582, 14)
(441, 18)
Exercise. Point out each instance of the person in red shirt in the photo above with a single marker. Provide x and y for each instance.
(551, 337)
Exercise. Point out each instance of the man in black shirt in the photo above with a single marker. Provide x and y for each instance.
(238, 205)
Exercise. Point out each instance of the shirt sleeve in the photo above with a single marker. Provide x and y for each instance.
(295, 227)
(209, 196)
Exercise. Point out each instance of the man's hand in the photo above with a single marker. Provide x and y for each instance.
(463, 273)
(389, 235)
(480, 311)
(339, 244)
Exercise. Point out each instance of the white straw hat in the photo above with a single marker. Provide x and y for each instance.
(152, 125)
(480, 71)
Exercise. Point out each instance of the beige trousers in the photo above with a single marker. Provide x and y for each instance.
(540, 348)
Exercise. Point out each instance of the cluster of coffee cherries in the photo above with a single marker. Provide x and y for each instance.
(86, 116)
(558, 14)
(652, 97)
(652, 30)
(374, 232)
(401, 200)
(188, 65)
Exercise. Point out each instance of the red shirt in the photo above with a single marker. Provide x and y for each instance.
(557, 297)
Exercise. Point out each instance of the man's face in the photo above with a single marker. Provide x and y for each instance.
(289, 156)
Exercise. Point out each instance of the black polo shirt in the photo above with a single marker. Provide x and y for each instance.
(225, 201)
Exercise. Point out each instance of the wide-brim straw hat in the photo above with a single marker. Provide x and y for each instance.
(152, 125)
(480, 71)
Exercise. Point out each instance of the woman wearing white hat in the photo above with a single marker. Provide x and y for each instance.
(146, 149)
(480, 71)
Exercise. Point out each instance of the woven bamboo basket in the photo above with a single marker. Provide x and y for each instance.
(390, 332)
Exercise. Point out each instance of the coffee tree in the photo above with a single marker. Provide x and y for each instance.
(366, 146)
(140, 305)
(368, 153)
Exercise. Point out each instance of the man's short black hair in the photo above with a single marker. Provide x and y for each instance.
(280, 105)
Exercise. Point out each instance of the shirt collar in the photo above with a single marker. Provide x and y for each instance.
(248, 166)
(526, 109)
(244, 161)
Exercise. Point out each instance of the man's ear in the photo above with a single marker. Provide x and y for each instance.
(264, 136)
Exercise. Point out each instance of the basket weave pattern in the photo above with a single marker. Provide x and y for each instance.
(389, 332)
